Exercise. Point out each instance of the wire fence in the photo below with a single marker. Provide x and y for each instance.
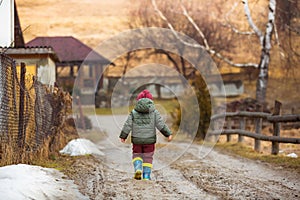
(31, 115)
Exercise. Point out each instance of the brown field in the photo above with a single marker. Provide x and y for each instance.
(91, 21)
(95, 20)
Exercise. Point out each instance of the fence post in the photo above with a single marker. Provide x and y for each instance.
(242, 127)
(229, 127)
(214, 125)
(258, 127)
(21, 133)
(276, 127)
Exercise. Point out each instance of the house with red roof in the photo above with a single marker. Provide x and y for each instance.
(73, 54)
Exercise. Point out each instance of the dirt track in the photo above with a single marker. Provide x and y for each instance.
(197, 172)
(217, 176)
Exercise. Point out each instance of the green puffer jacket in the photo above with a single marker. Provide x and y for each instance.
(142, 121)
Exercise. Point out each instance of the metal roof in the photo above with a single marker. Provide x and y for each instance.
(14, 51)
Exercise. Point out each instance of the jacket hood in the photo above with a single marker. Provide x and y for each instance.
(144, 105)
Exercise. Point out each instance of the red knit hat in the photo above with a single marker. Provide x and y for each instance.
(144, 94)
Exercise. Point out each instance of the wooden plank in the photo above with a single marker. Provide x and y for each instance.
(242, 114)
(284, 118)
(256, 136)
(268, 116)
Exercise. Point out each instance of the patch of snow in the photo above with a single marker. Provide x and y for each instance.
(281, 151)
(80, 147)
(292, 155)
(34, 182)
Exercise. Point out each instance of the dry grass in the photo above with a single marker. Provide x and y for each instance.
(12, 155)
(59, 162)
(247, 152)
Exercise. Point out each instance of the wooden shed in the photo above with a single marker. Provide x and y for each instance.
(39, 61)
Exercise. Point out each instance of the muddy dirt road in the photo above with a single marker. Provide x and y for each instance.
(189, 176)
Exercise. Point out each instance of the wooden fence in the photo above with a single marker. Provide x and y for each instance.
(258, 118)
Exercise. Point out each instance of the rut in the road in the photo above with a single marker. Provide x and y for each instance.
(165, 184)
(101, 182)
(87, 173)
(217, 176)
(237, 178)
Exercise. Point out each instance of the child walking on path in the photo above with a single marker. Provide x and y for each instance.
(142, 123)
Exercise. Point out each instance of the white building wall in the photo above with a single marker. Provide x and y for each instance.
(6, 23)
(46, 73)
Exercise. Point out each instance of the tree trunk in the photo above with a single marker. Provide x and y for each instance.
(262, 80)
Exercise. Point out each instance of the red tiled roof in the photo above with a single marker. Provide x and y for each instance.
(68, 49)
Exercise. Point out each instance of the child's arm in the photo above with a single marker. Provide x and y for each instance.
(126, 128)
(161, 126)
(170, 138)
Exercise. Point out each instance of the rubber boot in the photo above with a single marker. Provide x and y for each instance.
(138, 167)
(147, 171)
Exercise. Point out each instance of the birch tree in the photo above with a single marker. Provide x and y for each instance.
(264, 37)
(265, 42)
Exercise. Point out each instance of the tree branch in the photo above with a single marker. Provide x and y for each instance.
(276, 34)
(185, 13)
(194, 45)
(230, 62)
(169, 57)
(163, 17)
(251, 23)
(229, 25)
(295, 30)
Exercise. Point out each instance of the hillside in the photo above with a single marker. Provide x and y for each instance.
(91, 21)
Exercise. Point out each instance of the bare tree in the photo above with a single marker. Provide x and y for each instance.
(263, 36)
(145, 16)
(142, 16)
(265, 42)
